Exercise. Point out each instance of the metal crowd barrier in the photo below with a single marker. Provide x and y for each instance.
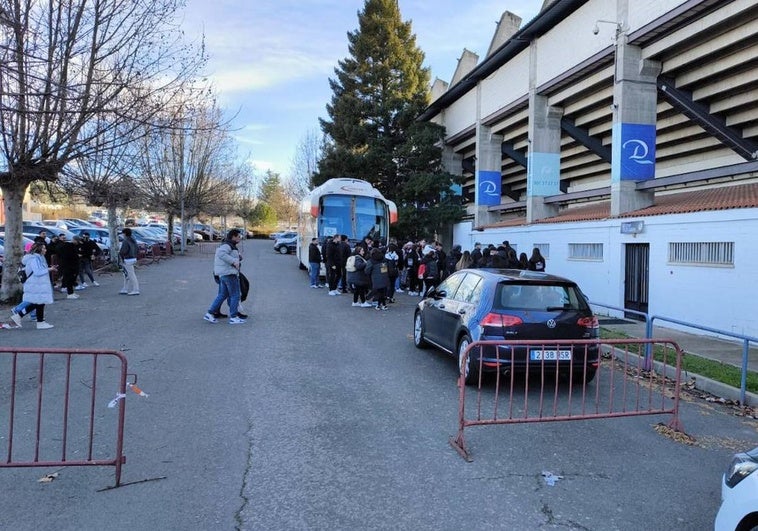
(57, 408)
(543, 391)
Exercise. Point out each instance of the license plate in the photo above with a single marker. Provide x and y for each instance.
(550, 355)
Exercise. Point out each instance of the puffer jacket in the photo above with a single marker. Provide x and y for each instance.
(37, 288)
(359, 276)
(226, 255)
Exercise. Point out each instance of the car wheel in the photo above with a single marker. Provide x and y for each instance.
(284, 250)
(577, 377)
(418, 332)
(471, 370)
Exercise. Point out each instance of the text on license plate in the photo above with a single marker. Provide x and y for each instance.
(550, 355)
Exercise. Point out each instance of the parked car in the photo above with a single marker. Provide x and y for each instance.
(27, 242)
(76, 222)
(100, 235)
(739, 494)
(286, 243)
(55, 224)
(508, 304)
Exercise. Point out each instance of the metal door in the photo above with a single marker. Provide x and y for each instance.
(636, 278)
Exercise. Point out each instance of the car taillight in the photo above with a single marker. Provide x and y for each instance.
(588, 322)
(500, 320)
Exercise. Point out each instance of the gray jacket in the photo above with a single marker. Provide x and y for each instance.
(226, 255)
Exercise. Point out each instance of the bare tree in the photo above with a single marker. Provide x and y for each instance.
(305, 164)
(61, 65)
(188, 168)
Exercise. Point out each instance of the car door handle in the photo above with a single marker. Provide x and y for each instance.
(462, 311)
(441, 306)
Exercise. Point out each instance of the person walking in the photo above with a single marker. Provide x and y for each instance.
(68, 261)
(88, 250)
(226, 264)
(393, 269)
(38, 290)
(332, 257)
(128, 256)
(314, 262)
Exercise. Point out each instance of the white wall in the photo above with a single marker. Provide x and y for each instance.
(723, 298)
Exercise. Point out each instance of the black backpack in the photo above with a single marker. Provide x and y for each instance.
(432, 271)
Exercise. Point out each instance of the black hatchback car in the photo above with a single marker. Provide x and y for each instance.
(509, 304)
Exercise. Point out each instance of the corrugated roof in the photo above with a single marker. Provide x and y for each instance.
(720, 198)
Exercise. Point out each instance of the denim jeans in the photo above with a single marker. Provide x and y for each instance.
(313, 271)
(228, 287)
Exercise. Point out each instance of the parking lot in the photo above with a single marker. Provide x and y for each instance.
(318, 415)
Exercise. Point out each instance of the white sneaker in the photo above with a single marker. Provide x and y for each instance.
(80, 287)
(133, 293)
(356, 304)
(366, 305)
(314, 286)
(83, 284)
(63, 290)
(72, 296)
(16, 318)
(209, 317)
(398, 291)
(123, 292)
(95, 283)
(43, 325)
(236, 320)
(333, 293)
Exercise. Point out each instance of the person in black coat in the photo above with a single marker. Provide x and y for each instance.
(345, 252)
(314, 263)
(377, 271)
(358, 279)
(68, 259)
(88, 251)
(333, 258)
(476, 255)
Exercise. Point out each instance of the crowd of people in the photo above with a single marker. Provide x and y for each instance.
(56, 263)
(374, 272)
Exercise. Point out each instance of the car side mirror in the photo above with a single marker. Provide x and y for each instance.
(438, 294)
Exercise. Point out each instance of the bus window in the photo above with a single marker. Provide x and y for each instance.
(371, 218)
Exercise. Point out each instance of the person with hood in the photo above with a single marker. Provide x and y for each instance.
(38, 290)
(68, 260)
(128, 256)
(393, 269)
(226, 264)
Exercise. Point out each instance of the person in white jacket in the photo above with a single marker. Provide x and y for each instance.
(38, 290)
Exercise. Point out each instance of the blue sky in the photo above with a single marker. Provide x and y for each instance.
(270, 60)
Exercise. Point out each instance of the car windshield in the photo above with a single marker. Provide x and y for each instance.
(543, 297)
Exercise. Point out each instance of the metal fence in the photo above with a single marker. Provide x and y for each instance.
(61, 408)
(613, 384)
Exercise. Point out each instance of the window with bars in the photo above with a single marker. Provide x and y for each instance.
(702, 253)
(585, 251)
(543, 247)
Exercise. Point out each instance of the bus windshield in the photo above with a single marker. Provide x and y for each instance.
(355, 216)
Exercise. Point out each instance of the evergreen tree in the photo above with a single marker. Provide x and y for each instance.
(372, 133)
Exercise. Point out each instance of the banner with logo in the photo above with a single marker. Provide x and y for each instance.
(633, 157)
(543, 174)
(488, 188)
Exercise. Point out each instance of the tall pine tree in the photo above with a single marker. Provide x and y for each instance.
(372, 133)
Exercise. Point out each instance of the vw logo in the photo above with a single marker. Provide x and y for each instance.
(551, 323)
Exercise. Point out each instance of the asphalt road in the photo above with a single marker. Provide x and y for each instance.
(318, 415)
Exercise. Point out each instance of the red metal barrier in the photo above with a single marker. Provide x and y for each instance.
(57, 410)
(584, 387)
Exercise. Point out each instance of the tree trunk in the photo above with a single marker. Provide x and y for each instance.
(113, 233)
(13, 195)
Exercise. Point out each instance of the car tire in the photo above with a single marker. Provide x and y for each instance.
(471, 371)
(418, 332)
(577, 377)
(283, 249)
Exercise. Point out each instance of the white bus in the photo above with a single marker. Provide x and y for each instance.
(343, 206)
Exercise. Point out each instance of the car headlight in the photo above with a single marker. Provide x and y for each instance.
(741, 467)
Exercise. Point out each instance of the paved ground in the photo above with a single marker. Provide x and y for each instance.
(316, 415)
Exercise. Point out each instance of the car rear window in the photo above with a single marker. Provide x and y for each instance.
(538, 297)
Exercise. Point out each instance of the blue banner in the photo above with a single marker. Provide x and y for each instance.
(543, 174)
(633, 157)
(488, 188)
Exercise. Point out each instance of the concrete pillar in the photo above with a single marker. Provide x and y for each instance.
(452, 162)
(489, 161)
(543, 172)
(635, 98)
